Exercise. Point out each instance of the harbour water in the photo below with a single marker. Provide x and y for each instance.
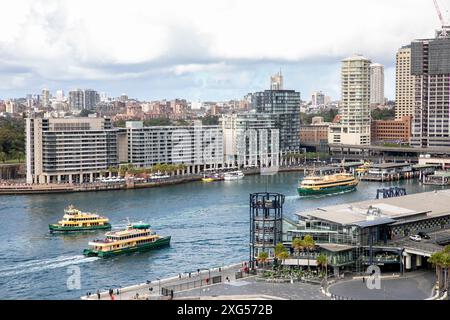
(208, 223)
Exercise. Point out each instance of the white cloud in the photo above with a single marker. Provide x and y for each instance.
(100, 39)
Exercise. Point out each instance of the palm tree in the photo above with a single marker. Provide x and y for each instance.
(283, 256)
(278, 249)
(262, 257)
(297, 244)
(436, 259)
(281, 252)
(309, 244)
(446, 265)
(322, 261)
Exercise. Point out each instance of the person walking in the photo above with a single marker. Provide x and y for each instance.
(98, 294)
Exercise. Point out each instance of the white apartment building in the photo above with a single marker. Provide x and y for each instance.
(250, 140)
(376, 84)
(197, 147)
(71, 150)
(354, 110)
(404, 84)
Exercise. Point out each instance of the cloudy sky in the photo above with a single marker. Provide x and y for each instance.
(200, 49)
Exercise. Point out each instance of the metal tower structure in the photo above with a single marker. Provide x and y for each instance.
(266, 220)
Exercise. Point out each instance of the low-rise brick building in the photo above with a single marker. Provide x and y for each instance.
(391, 130)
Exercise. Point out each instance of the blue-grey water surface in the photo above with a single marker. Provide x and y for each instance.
(208, 223)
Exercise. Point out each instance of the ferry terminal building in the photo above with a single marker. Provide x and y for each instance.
(355, 235)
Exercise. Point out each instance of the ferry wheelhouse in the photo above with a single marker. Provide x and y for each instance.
(75, 220)
(136, 237)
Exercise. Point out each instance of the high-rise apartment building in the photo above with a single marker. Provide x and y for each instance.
(430, 64)
(376, 84)
(284, 107)
(354, 111)
(276, 81)
(91, 98)
(317, 99)
(45, 98)
(250, 140)
(404, 84)
(60, 95)
(76, 99)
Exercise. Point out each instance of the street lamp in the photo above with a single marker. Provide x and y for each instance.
(159, 285)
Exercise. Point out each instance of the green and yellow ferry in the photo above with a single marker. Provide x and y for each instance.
(136, 237)
(75, 220)
(329, 184)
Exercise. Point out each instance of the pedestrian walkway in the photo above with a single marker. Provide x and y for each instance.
(161, 288)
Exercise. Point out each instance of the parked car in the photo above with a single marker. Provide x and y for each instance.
(423, 235)
(415, 237)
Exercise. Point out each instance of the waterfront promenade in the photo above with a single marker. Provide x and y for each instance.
(155, 289)
(228, 283)
(23, 188)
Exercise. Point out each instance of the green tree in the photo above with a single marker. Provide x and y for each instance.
(262, 257)
(383, 114)
(281, 252)
(85, 113)
(12, 139)
(297, 244)
(322, 261)
(119, 124)
(158, 122)
(210, 120)
(436, 259)
(283, 256)
(309, 244)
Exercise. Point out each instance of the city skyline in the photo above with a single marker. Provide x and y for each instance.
(65, 45)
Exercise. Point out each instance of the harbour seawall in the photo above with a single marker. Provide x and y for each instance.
(26, 189)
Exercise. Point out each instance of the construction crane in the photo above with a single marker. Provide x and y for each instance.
(444, 33)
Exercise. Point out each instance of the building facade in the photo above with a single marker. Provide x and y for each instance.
(404, 84)
(69, 150)
(283, 106)
(317, 99)
(197, 147)
(250, 140)
(315, 135)
(276, 81)
(45, 98)
(354, 111)
(376, 84)
(76, 100)
(395, 131)
(355, 235)
(91, 98)
(430, 64)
